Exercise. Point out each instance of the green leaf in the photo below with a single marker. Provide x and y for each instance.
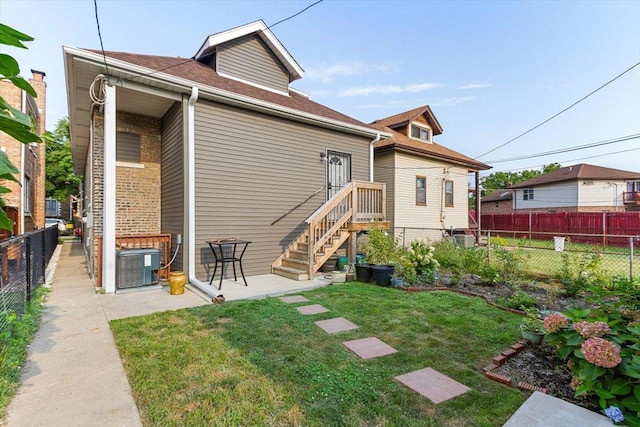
(12, 37)
(632, 420)
(636, 393)
(17, 130)
(8, 66)
(5, 222)
(575, 340)
(620, 386)
(632, 403)
(565, 351)
(24, 85)
(604, 394)
(582, 390)
(578, 353)
(588, 371)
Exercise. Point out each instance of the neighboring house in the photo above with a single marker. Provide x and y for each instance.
(25, 203)
(427, 184)
(579, 188)
(498, 202)
(214, 146)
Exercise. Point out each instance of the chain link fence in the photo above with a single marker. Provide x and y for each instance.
(23, 260)
(542, 254)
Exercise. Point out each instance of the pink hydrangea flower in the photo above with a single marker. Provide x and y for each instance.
(555, 322)
(601, 352)
(591, 329)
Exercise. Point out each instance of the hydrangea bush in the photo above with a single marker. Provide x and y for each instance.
(420, 254)
(602, 348)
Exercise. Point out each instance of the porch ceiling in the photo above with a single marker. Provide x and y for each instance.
(134, 98)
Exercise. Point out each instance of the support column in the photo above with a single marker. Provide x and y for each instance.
(478, 204)
(109, 192)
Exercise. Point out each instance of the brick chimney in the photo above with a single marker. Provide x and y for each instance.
(38, 76)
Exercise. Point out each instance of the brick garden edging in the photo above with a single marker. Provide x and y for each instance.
(501, 359)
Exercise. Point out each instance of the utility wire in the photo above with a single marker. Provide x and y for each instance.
(565, 150)
(104, 56)
(191, 59)
(557, 114)
(293, 16)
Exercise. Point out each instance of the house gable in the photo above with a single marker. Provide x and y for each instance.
(253, 55)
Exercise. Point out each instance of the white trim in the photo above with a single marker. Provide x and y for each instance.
(422, 126)
(265, 34)
(213, 93)
(21, 210)
(247, 82)
(299, 92)
(109, 192)
(129, 165)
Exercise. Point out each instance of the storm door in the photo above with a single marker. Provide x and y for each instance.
(338, 172)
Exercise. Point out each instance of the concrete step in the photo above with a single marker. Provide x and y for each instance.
(291, 273)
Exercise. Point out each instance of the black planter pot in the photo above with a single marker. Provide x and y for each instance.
(364, 273)
(382, 274)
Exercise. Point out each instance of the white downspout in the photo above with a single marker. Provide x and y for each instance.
(22, 186)
(376, 139)
(191, 196)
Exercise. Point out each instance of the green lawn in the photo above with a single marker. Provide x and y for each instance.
(261, 363)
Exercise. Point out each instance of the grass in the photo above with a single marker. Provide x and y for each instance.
(262, 363)
(13, 346)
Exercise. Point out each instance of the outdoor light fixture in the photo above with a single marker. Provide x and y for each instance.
(323, 156)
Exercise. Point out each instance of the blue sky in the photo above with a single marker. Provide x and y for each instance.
(489, 70)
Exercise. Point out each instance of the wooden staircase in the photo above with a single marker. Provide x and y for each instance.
(358, 206)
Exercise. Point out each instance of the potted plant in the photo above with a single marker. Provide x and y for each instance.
(382, 252)
(363, 268)
(532, 325)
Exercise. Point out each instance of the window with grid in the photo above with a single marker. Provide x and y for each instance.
(448, 193)
(421, 191)
(527, 194)
(420, 133)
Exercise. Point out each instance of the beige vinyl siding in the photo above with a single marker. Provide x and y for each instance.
(248, 58)
(250, 169)
(384, 171)
(172, 178)
(407, 214)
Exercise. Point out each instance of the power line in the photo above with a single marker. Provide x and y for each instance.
(565, 150)
(104, 56)
(557, 114)
(293, 16)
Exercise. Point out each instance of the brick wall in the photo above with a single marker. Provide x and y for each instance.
(137, 186)
(502, 207)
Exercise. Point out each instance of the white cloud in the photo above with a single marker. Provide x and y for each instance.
(475, 86)
(327, 73)
(453, 101)
(387, 90)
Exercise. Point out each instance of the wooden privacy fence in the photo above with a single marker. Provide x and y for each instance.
(599, 225)
(162, 242)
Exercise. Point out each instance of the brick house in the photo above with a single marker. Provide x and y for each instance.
(427, 183)
(25, 202)
(217, 145)
(498, 202)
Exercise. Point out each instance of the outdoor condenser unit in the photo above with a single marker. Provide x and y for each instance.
(137, 267)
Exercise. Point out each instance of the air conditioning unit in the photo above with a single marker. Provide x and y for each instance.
(137, 267)
(465, 240)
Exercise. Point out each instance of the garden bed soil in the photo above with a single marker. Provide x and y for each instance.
(538, 365)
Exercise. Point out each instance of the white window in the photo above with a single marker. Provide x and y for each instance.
(420, 133)
(28, 196)
(448, 193)
(527, 194)
(421, 191)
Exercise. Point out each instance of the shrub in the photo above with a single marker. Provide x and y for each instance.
(474, 260)
(420, 255)
(381, 248)
(511, 263)
(603, 351)
(448, 255)
(518, 300)
(579, 273)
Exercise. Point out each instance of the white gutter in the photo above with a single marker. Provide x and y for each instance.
(191, 198)
(376, 139)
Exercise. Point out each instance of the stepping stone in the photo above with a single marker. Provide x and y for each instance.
(312, 309)
(432, 384)
(293, 298)
(368, 348)
(339, 324)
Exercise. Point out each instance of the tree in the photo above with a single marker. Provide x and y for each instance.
(61, 181)
(13, 122)
(500, 180)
